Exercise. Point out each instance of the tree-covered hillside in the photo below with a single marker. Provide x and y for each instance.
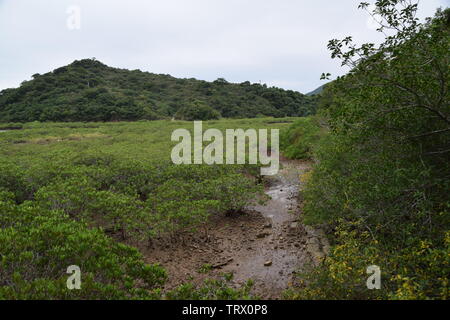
(316, 91)
(88, 90)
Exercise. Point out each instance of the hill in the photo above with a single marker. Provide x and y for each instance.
(317, 91)
(88, 90)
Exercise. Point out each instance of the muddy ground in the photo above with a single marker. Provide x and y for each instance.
(266, 243)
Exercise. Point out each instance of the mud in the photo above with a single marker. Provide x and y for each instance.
(266, 243)
(285, 245)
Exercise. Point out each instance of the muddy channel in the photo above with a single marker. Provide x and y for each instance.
(267, 243)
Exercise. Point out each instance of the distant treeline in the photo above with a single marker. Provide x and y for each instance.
(88, 90)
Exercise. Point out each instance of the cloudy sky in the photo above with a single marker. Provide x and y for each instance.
(277, 42)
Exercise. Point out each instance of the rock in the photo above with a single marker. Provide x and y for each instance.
(262, 235)
(293, 227)
(267, 226)
(268, 263)
(221, 264)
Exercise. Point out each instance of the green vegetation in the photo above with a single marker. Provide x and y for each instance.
(38, 245)
(317, 91)
(83, 194)
(74, 193)
(197, 110)
(88, 90)
(212, 289)
(381, 180)
(298, 141)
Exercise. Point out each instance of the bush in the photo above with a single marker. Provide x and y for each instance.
(197, 110)
(37, 246)
(298, 141)
(211, 289)
(381, 179)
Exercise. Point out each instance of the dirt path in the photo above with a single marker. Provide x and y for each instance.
(266, 243)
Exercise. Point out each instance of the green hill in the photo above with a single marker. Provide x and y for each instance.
(88, 90)
(317, 91)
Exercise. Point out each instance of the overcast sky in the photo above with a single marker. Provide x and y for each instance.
(278, 42)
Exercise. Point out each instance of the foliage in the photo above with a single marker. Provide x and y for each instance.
(417, 272)
(212, 289)
(37, 246)
(381, 179)
(74, 193)
(88, 90)
(298, 141)
(197, 110)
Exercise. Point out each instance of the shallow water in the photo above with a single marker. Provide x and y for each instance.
(284, 247)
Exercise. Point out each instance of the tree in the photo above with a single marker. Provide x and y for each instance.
(382, 177)
(197, 110)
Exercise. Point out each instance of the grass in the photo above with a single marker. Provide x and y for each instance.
(147, 140)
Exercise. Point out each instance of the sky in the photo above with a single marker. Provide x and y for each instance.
(280, 43)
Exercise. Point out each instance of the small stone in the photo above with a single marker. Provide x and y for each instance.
(268, 263)
(262, 235)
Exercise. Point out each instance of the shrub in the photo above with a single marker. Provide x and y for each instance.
(298, 141)
(197, 110)
(37, 246)
(381, 179)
